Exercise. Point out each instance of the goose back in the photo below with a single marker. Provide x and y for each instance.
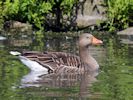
(54, 60)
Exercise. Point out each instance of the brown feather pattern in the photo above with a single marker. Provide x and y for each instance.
(56, 61)
(61, 62)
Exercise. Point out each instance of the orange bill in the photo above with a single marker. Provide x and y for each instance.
(96, 41)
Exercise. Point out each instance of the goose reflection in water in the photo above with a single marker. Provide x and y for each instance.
(54, 80)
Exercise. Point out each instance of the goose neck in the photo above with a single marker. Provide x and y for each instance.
(84, 54)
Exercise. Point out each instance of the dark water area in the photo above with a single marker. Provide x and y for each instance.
(114, 81)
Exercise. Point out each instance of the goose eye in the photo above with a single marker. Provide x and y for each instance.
(87, 37)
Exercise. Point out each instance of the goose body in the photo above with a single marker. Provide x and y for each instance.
(60, 61)
(2, 38)
(33, 65)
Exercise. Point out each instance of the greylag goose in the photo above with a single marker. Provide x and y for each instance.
(58, 61)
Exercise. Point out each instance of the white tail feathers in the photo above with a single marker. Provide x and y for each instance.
(15, 53)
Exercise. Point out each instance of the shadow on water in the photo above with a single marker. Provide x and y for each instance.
(114, 81)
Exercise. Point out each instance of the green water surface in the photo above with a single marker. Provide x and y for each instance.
(114, 82)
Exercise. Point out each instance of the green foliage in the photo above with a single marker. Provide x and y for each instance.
(26, 10)
(67, 4)
(34, 11)
(118, 13)
(11, 8)
(1, 15)
(61, 15)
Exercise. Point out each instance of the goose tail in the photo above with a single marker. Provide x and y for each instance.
(15, 53)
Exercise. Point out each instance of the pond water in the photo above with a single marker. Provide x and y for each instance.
(114, 81)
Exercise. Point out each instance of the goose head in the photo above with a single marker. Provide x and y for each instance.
(86, 40)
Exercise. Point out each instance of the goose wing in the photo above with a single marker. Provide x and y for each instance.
(53, 60)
